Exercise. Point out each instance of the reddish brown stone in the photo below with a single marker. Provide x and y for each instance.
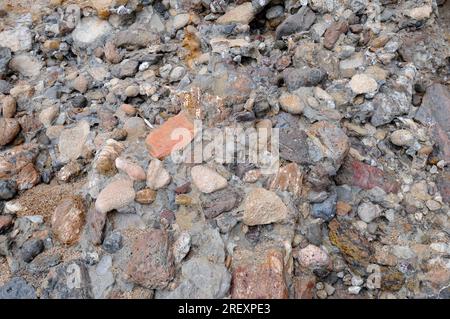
(151, 264)
(28, 177)
(258, 274)
(304, 287)
(365, 176)
(333, 32)
(68, 220)
(160, 141)
(183, 189)
(5, 223)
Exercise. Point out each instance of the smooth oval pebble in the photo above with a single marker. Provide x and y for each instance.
(134, 171)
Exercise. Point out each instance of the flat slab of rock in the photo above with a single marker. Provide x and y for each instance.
(207, 180)
(435, 107)
(115, 195)
(151, 264)
(263, 207)
(174, 134)
(258, 274)
(72, 140)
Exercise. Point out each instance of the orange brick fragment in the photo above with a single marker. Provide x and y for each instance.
(175, 134)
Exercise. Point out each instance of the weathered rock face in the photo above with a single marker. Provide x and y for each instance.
(68, 220)
(263, 207)
(289, 178)
(151, 263)
(258, 275)
(114, 184)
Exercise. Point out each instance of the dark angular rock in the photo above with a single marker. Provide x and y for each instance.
(67, 281)
(301, 21)
(30, 249)
(218, 202)
(325, 210)
(5, 57)
(305, 76)
(294, 146)
(112, 243)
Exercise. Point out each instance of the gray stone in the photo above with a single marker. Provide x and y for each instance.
(102, 278)
(112, 242)
(124, 69)
(8, 189)
(30, 249)
(301, 21)
(305, 76)
(325, 210)
(26, 65)
(18, 39)
(5, 57)
(67, 281)
(17, 288)
(202, 279)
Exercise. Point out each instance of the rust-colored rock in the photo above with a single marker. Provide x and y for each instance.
(355, 248)
(356, 173)
(258, 274)
(176, 133)
(151, 264)
(68, 220)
